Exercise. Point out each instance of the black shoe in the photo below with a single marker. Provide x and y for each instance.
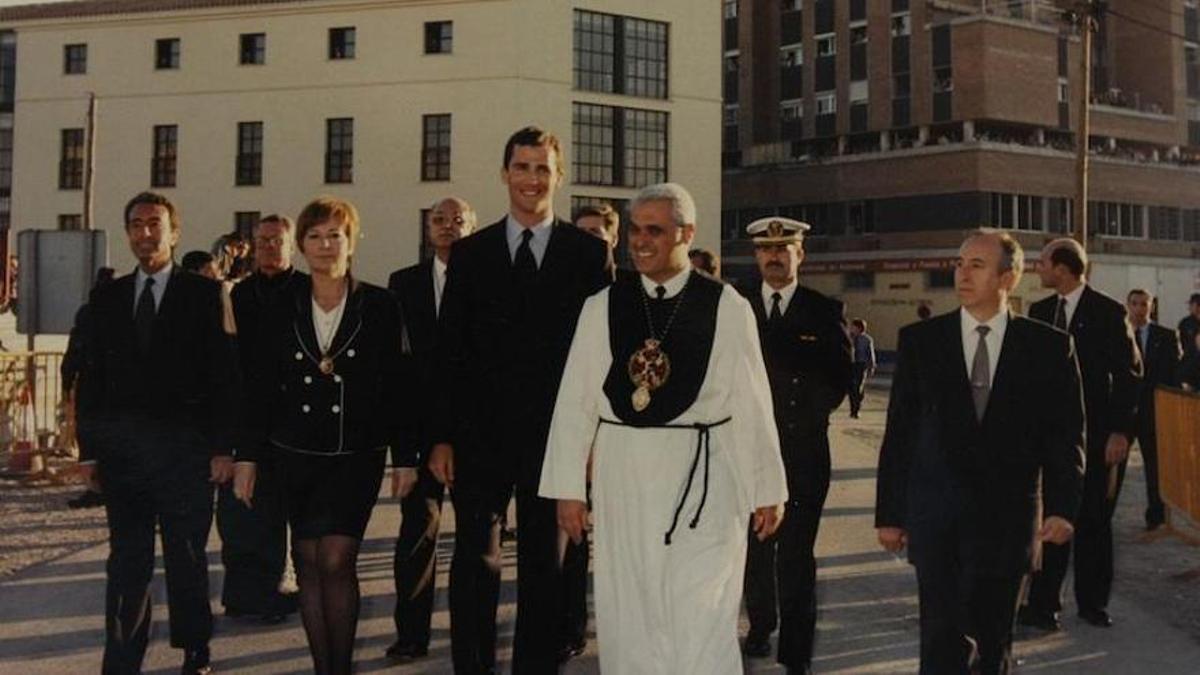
(1037, 618)
(86, 500)
(1097, 617)
(196, 662)
(756, 647)
(571, 650)
(404, 650)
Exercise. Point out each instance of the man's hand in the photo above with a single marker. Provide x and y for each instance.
(91, 477)
(766, 520)
(893, 539)
(1117, 448)
(245, 475)
(572, 518)
(1056, 530)
(220, 469)
(441, 463)
(404, 479)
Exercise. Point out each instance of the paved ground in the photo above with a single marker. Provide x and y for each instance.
(51, 614)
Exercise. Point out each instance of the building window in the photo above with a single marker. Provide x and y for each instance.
(939, 279)
(826, 45)
(791, 119)
(70, 160)
(729, 79)
(858, 281)
(435, 147)
(244, 222)
(439, 37)
(901, 25)
(74, 59)
(249, 153)
(166, 54)
(791, 56)
(162, 161)
(339, 150)
(620, 55)
(791, 72)
(619, 146)
(729, 12)
(827, 103)
(70, 221)
(341, 43)
(252, 49)
(1113, 219)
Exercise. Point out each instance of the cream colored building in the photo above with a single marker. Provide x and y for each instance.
(505, 64)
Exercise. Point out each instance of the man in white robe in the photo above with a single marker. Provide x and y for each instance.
(684, 454)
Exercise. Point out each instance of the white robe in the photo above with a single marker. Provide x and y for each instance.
(668, 609)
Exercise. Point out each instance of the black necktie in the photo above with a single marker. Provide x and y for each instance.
(660, 292)
(143, 316)
(981, 373)
(1060, 313)
(524, 264)
(775, 313)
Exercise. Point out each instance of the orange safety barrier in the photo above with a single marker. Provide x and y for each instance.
(1177, 420)
(35, 423)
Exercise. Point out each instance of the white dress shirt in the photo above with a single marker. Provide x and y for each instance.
(673, 285)
(160, 285)
(1072, 302)
(326, 323)
(439, 283)
(785, 296)
(541, 237)
(994, 340)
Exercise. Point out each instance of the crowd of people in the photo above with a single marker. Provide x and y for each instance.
(680, 420)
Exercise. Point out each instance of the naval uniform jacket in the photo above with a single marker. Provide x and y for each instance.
(358, 407)
(809, 358)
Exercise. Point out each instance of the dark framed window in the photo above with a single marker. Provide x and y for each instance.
(939, 279)
(163, 159)
(620, 55)
(70, 221)
(439, 37)
(858, 281)
(74, 59)
(339, 150)
(244, 222)
(166, 54)
(252, 49)
(342, 43)
(435, 147)
(70, 160)
(249, 154)
(619, 146)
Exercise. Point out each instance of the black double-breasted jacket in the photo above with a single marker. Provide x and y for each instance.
(808, 357)
(360, 405)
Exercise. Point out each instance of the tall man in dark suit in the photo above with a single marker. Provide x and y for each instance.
(1189, 327)
(254, 539)
(983, 403)
(155, 413)
(1160, 352)
(1111, 370)
(513, 294)
(808, 357)
(419, 290)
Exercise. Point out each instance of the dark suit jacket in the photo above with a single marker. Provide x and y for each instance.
(189, 376)
(1160, 361)
(1108, 363)
(413, 289)
(358, 407)
(502, 347)
(944, 476)
(808, 358)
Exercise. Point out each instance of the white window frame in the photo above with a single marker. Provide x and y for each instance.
(826, 102)
(797, 49)
(826, 44)
(901, 24)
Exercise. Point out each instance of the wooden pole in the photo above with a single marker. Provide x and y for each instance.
(89, 164)
(1086, 19)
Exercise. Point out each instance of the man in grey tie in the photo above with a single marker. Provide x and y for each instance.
(983, 403)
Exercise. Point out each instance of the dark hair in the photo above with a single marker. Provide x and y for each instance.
(612, 220)
(1068, 257)
(276, 218)
(924, 312)
(104, 275)
(1195, 299)
(192, 261)
(860, 324)
(154, 199)
(532, 136)
(1138, 291)
(708, 259)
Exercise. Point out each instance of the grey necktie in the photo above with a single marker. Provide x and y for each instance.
(1060, 313)
(981, 373)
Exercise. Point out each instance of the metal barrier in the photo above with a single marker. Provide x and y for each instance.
(35, 423)
(1177, 420)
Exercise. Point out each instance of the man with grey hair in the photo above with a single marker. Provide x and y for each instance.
(418, 289)
(665, 386)
(1111, 371)
(983, 405)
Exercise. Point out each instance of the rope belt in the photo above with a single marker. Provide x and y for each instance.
(703, 437)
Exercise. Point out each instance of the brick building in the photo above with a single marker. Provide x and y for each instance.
(894, 126)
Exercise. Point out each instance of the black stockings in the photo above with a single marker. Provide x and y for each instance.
(328, 579)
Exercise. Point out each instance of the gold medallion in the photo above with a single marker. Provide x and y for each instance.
(326, 365)
(649, 369)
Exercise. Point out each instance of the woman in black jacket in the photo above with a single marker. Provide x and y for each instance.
(326, 396)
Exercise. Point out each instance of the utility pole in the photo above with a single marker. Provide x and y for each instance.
(1084, 17)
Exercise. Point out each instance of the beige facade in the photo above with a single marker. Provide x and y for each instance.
(511, 65)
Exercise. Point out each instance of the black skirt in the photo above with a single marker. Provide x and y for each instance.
(331, 494)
